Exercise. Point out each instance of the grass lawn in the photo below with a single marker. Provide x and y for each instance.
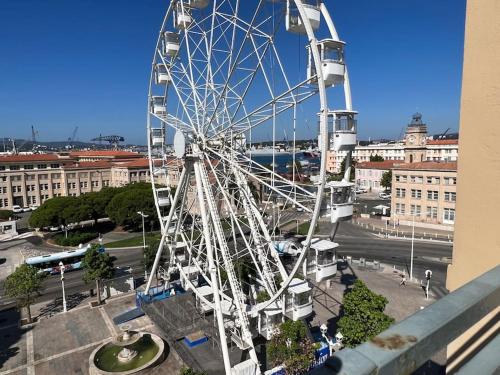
(133, 241)
(304, 229)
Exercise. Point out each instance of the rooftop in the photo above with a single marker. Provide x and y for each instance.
(442, 142)
(105, 154)
(28, 158)
(386, 164)
(428, 165)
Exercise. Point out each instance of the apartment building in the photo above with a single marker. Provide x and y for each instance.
(424, 192)
(29, 180)
(416, 146)
(368, 174)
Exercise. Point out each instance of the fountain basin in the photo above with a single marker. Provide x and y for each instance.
(148, 350)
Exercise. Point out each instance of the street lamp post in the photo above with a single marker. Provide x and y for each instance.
(143, 216)
(62, 267)
(412, 244)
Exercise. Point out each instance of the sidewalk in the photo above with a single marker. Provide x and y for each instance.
(402, 231)
(62, 344)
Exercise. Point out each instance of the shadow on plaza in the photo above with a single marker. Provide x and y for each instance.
(56, 306)
(10, 336)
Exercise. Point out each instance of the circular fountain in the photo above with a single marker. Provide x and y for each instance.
(128, 353)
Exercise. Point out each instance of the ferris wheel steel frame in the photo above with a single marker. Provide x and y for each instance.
(206, 143)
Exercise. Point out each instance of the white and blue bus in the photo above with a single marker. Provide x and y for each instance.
(71, 259)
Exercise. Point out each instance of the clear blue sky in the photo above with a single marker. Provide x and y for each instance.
(86, 63)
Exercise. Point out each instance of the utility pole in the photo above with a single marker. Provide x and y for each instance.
(62, 267)
(143, 215)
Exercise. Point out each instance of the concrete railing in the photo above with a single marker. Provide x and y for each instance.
(405, 346)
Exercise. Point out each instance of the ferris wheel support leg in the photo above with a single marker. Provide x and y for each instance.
(212, 270)
(334, 230)
(183, 177)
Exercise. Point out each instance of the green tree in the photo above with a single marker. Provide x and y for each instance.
(342, 170)
(6, 214)
(190, 371)
(291, 347)
(97, 266)
(23, 284)
(123, 207)
(364, 316)
(376, 157)
(386, 180)
(262, 296)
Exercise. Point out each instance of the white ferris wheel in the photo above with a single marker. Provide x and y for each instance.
(225, 74)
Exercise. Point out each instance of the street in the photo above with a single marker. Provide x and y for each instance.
(353, 240)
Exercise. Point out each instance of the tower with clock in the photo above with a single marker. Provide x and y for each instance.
(415, 140)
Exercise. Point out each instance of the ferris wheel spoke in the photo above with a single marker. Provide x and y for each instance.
(251, 249)
(285, 190)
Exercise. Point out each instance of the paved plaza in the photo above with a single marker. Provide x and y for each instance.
(62, 344)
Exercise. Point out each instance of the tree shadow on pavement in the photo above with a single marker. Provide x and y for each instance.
(56, 307)
(10, 335)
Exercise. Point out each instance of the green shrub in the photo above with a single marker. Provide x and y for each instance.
(75, 238)
(6, 214)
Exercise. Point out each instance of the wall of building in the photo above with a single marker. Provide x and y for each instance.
(476, 247)
(430, 195)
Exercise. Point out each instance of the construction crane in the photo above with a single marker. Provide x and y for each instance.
(72, 138)
(112, 139)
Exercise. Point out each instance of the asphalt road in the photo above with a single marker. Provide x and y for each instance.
(353, 240)
(73, 282)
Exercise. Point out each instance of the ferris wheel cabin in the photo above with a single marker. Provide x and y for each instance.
(344, 126)
(158, 106)
(322, 259)
(294, 22)
(157, 137)
(161, 74)
(332, 62)
(182, 15)
(197, 4)
(163, 197)
(171, 43)
(341, 200)
(298, 300)
(269, 320)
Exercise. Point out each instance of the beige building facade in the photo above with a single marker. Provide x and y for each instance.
(476, 247)
(426, 193)
(29, 180)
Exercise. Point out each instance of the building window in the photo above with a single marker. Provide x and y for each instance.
(449, 215)
(3, 190)
(415, 210)
(106, 182)
(30, 187)
(28, 166)
(54, 166)
(4, 202)
(432, 212)
(83, 185)
(30, 177)
(14, 167)
(416, 193)
(432, 195)
(95, 183)
(400, 208)
(450, 180)
(42, 166)
(3, 178)
(56, 176)
(16, 189)
(71, 175)
(2, 167)
(43, 176)
(400, 178)
(56, 185)
(44, 187)
(71, 185)
(450, 196)
(416, 179)
(433, 180)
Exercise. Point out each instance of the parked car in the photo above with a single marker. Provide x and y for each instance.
(34, 207)
(360, 191)
(26, 209)
(385, 195)
(17, 209)
(299, 209)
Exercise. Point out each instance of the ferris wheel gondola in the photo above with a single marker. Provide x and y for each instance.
(222, 73)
